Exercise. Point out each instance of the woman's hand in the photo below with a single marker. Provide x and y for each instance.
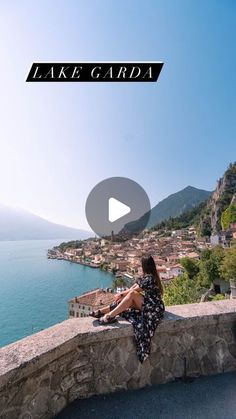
(118, 296)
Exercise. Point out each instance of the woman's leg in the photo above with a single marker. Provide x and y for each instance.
(132, 300)
(104, 310)
(107, 308)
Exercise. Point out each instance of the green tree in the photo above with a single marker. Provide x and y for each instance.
(228, 266)
(191, 266)
(119, 282)
(216, 297)
(104, 266)
(210, 266)
(181, 291)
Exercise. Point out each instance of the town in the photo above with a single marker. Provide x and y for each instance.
(122, 259)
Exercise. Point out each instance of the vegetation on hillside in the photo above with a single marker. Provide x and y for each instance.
(228, 216)
(73, 244)
(185, 220)
(201, 215)
(120, 282)
(198, 276)
(170, 208)
(228, 266)
(214, 214)
(182, 290)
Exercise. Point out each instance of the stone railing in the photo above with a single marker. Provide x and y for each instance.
(41, 374)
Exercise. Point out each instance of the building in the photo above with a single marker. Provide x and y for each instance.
(162, 271)
(215, 239)
(226, 237)
(173, 258)
(176, 270)
(223, 238)
(193, 255)
(82, 305)
(221, 286)
(121, 265)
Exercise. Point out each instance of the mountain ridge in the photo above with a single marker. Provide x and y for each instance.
(213, 215)
(19, 224)
(172, 206)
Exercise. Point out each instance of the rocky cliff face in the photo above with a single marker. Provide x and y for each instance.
(233, 201)
(221, 198)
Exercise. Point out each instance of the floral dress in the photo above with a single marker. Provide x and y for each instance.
(145, 321)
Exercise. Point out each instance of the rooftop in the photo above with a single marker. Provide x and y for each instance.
(94, 298)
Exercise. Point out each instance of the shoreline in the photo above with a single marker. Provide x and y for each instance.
(60, 256)
(78, 262)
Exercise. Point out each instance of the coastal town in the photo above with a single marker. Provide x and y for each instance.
(123, 258)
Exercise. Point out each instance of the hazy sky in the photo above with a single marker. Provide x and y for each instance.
(58, 140)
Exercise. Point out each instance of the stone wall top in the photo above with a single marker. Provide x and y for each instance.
(27, 355)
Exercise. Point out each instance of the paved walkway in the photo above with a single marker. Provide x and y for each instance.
(211, 397)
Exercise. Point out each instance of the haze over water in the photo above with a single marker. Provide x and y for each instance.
(34, 290)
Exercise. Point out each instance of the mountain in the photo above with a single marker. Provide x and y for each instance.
(217, 213)
(18, 224)
(187, 219)
(172, 206)
(220, 207)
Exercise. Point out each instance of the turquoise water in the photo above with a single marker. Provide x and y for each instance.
(34, 290)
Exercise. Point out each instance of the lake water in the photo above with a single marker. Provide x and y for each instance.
(34, 290)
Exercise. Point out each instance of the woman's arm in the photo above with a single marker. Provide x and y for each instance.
(124, 293)
(136, 287)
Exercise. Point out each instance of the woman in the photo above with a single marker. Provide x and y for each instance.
(141, 305)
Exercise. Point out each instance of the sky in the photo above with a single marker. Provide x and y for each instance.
(58, 140)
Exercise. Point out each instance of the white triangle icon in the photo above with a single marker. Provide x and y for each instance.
(116, 209)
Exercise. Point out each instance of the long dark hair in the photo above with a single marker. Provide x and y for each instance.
(149, 267)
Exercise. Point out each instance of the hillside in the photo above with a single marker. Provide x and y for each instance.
(213, 215)
(173, 206)
(221, 199)
(17, 224)
(187, 219)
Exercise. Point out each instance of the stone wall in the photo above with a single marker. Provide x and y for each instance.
(41, 374)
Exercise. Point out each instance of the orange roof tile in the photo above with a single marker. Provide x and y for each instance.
(94, 298)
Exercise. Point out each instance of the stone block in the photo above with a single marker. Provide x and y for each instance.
(67, 382)
(57, 403)
(81, 391)
(84, 374)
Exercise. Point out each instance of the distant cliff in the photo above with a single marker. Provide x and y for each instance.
(17, 224)
(223, 196)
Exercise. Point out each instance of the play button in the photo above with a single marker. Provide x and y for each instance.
(117, 205)
(117, 210)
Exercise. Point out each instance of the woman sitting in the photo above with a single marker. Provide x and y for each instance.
(142, 305)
